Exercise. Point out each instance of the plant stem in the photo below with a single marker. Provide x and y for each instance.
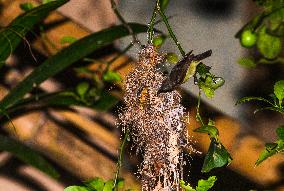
(198, 116)
(120, 158)
(169, 28)
(122, 20)
(151, 26)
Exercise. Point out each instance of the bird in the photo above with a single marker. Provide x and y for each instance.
(182, 71)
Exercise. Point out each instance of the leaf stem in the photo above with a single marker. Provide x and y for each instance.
(173, 36)
(120, 158)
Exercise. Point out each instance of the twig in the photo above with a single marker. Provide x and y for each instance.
(122, 20)
(169, 28)
(151, 26)
(120, 158)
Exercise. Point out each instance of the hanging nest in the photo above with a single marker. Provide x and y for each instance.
(155, 122)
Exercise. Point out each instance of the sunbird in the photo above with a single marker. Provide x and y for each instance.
(182, 71)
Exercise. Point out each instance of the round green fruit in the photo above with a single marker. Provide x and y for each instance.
(248, 39)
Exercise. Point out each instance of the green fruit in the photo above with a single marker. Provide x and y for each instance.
(248, 39)
(172, 58)
(159, 40)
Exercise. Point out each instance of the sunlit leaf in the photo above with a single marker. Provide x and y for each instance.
(186, 187)
(27, 155)
(204, 185)
(108, 185)
(279, 91)
(13, 34)
(96, 184)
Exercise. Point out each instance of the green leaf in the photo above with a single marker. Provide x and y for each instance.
(270, 150)
(76, 188)
(252, 98)
(212, 131)
(120, 183)
(185, 186)
(217, 156)
(204, 185)
(274, 23)
(269, 46)
(247, 62)
(217, 82)
(210, 84)
(270, 5)
(108, 185)
(66, 57)
(26, 6)
(12, 35)
(279, 91)
(111, 76)
(96, 184)
(104, 100)
(68, 40)
(82, 88)
(203, 70)
(209, 92)
(280, 132)
(27, 155)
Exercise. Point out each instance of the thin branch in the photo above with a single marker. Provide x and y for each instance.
(122, 20)
(120, 158)
(151, 26)
(169, 28)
